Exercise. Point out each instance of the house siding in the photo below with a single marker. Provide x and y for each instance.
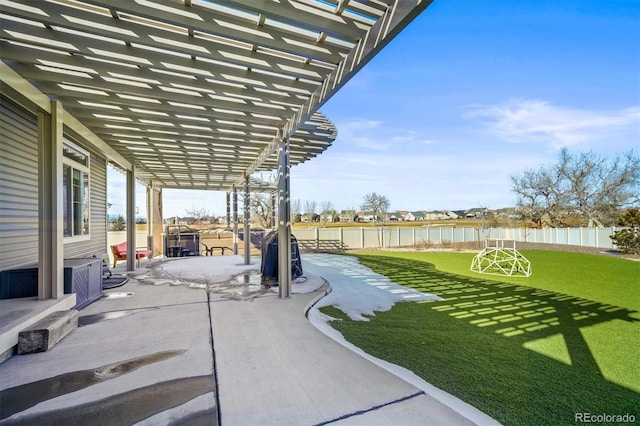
(19, 221)
(18, 186)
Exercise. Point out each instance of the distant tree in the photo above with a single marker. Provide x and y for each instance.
(628, 240)
(197, 213)
(261, 206)
(261, 203)
(326, 205)
(296, 207)
(375, 204)
(119, 224)
(310, 207)
(326, 210)
(586, 184)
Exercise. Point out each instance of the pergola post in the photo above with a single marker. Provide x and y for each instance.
(131, 219)
(273, 210)
(247, 224)
(50, 198)
(284, 221)
(150, 218)
(157, 221)
(228, 209)
(235, 220)
(154, 219)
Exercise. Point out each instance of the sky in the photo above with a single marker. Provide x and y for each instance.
(469, 94)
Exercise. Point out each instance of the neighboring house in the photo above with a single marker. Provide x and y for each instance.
(366, 217)
(348, 216)
(395, 217)
(452, 215)
(309, 217)
(510, 212)
(329, 216)
(436, 215)
(476, 213)
(415, 216)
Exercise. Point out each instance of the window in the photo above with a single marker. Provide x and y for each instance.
(75, 190)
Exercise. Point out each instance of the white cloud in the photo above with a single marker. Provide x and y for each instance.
(369, 143)
(378, 135)
(536, 121)
(358, 132)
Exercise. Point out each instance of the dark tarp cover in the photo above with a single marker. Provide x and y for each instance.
(269, 268)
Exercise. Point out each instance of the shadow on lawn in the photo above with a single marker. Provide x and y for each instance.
(510, 317)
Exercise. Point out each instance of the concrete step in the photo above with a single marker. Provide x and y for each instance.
(44, 334)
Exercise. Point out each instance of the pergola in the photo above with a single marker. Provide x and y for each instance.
(195, 94)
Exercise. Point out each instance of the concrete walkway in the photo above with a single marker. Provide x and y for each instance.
(162, 350)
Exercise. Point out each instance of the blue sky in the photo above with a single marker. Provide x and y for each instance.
(467, 95)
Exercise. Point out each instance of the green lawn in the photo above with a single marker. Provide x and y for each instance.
(526, 351)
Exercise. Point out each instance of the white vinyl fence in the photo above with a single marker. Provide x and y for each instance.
(388, 237)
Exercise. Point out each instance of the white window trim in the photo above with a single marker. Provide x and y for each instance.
(86, 169)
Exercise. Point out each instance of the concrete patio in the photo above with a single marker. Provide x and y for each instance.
(200, 341)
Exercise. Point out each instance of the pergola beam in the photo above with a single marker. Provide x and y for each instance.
(157, 80)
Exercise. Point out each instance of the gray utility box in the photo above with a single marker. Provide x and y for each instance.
(81, 276)
(84, 278)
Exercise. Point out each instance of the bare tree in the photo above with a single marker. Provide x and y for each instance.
(375, 204)
(197, 213)
(327, 210)
(296, 207)
(326, 205)
(586, 184)
(540, 195)
(261, 209)
(310, 207)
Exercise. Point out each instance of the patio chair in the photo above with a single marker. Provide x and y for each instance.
(120, 253)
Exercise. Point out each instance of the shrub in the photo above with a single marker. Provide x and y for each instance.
(628, 240)
(119, 224)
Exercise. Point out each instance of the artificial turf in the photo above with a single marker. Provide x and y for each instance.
(535, 350)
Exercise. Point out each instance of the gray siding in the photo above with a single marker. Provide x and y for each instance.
(18, 186)
(19, 224)
(98, 215)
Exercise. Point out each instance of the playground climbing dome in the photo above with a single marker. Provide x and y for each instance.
(497, 259)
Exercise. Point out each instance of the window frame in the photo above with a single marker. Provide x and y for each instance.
(68, 216)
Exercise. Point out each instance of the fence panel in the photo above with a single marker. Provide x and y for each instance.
(469, 234)
(458, 234)
(328, 233)
(422, 235)
(407, 237)
(304, 234)
(390, 237)
(352, 237)
(370, 237)
(446, 235)
(603, 237)
(562, 235)
(573, 236)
